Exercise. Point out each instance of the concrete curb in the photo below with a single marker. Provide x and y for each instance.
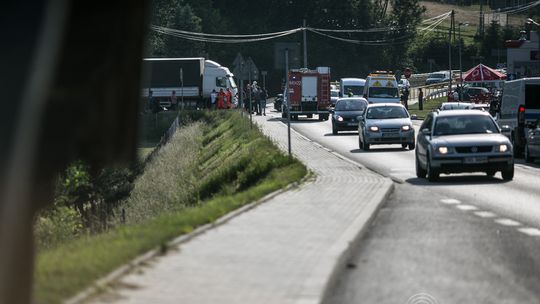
(103, 283)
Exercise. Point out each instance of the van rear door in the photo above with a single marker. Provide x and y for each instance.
(532, 102)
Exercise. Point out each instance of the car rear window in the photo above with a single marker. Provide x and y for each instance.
(351, 105)
(532, 96)
(355, 89)
(466, 124)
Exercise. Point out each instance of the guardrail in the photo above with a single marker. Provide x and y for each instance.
(431, 91)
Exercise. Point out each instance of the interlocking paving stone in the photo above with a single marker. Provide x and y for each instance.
(268, 254)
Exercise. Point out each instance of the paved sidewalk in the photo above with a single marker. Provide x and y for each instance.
(284, 251)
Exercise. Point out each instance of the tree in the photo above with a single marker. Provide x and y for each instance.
(174, 14)
(406, 15)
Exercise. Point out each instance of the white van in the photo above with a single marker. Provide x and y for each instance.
(381, 88)
(355, 85)
(520, 106)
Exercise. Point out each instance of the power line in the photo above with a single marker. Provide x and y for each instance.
(222, 38)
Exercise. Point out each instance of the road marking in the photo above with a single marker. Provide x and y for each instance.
(530, 231)
(485, 214)
(466, 207)
(450, 201)
(507, 222)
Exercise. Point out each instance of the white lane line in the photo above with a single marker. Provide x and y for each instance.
(450, 201)
(466, 207)
(530, 231)
(507, 222)
(485, 214)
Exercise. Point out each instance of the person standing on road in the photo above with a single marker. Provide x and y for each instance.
(221, 99)
(420, 99)
(174, 100)
(455, 96)
(213, 97)
(406, 98)
(262, 104)
(228, 98)
(257, 96)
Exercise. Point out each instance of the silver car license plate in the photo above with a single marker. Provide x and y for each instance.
(390, 135)
(352, 124)
(475, 160)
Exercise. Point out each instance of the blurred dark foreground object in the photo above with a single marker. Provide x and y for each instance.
(70, 90)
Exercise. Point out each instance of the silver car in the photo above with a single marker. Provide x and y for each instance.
(385, 123)
(462, 141)
(532, 147)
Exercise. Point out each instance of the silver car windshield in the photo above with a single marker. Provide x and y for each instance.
(386, 112)
(469, 124)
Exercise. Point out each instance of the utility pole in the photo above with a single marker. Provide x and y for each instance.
(481, 20)
(460, 67)
(305, 45)
(250, 93)
(288, 100)
(450, 53)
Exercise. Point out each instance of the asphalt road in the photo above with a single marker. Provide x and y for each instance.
(468, 238)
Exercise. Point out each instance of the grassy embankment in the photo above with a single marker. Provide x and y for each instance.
(207, 170)
(428, 107)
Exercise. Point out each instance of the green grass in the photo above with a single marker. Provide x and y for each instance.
(153, 126)
(428, 107)
(236, 166)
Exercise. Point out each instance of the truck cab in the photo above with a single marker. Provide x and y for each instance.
(354, 85)
(381, 87)
(217, 77)
(519, 108)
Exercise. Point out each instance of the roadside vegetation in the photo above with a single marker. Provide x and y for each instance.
(211, 166)
(428, 107)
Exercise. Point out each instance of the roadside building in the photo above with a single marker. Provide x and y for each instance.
(523, 57)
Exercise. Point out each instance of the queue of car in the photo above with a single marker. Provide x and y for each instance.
(458, 137)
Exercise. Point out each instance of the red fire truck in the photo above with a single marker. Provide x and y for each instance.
(309, 93)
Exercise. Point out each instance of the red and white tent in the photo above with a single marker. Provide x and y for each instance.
(482, 73)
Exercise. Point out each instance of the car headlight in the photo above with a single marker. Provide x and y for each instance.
(503, 148)
(442, 150)
(339, 118)
(374, 129)
(405, 128)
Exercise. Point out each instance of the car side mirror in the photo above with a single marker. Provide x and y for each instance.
(414, 117)
(426, 132)
(332, 111)
(506, 129)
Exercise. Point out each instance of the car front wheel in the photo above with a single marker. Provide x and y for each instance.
(420, 172)
(508, 173)
(432, 174)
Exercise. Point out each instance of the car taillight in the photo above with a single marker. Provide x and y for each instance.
(521, 114)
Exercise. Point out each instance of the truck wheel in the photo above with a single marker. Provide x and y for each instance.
(517, 149)
(528, 157)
